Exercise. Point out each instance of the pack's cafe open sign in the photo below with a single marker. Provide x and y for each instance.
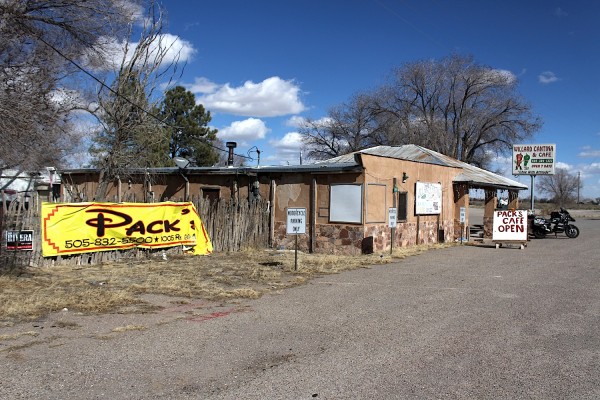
(533, 159)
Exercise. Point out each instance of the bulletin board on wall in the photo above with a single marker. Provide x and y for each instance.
(428, 198)
(345, 203)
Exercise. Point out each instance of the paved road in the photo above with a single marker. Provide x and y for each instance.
(458, 323)
(476, 214)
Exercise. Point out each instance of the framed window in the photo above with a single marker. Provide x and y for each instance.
(345, 203)
(211, 194)
(402, 206)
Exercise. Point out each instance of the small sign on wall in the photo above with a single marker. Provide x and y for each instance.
(19, 240)
(510, 225)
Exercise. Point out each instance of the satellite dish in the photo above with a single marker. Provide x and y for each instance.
(181, 162)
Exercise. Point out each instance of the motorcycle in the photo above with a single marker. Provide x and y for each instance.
(559, 222)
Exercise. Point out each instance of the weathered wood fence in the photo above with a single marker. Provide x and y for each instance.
(231, 226)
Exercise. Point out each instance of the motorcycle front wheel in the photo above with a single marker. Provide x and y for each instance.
(539, 234)
(572, 231)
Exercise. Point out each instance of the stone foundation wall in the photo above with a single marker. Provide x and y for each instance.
(354, 239)
(381, 236)
(428, 232)
(281, 240)
(339, 239)
(451, 232)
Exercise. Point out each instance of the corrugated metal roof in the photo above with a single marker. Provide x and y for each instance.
(315, 168)
(410, 152)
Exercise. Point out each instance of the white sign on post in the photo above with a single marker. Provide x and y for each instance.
(296, 221)
(392, 217)
(533, 159)
(463, 215)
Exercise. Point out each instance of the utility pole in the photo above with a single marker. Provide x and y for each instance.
(578, 184)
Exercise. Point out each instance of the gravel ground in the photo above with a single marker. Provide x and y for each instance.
(461, 322)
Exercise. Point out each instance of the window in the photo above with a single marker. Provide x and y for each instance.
(211, 194)
(402, 206)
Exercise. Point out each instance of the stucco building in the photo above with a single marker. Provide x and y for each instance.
(347, 198)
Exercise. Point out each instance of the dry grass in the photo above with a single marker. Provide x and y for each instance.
(97, 289)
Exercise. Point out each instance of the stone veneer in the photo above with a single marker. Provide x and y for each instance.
(348, 239)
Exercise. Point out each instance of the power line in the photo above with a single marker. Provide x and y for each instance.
(116, 93)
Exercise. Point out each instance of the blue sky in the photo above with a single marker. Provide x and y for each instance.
(259, 65)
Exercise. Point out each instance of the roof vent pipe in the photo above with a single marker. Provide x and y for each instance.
(230, 146)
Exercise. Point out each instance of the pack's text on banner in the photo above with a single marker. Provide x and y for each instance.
(73, 228)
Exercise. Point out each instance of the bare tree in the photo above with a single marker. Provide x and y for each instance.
(39, 39)
(454, 106)
(349, 127)
(562, 186)
(131, 132)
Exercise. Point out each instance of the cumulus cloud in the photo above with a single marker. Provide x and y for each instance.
(287, 149)
(562, 165)
(113, 52)
(291, 141)
(244, 131)
(272, 97)
(547, 77)
(203, 85)
(295, 122)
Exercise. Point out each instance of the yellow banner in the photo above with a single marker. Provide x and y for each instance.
(73, 228)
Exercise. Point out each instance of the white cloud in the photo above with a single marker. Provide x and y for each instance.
(591, 169)
(244, 131)
(589, 152)
(202, 85)
(131, 8)
(113, 52)
(288, 148)
(547, 77)
(563, 165)
(296, 121)
(504, 74)
(270, 98)
(177, 49)
(291, 141)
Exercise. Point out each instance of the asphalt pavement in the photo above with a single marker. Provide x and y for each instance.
(464, 322)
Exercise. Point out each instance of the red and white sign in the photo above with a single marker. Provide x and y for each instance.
(510, 225)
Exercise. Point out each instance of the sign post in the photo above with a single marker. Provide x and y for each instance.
(296, 225)
(392, 219)
(463, 218)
